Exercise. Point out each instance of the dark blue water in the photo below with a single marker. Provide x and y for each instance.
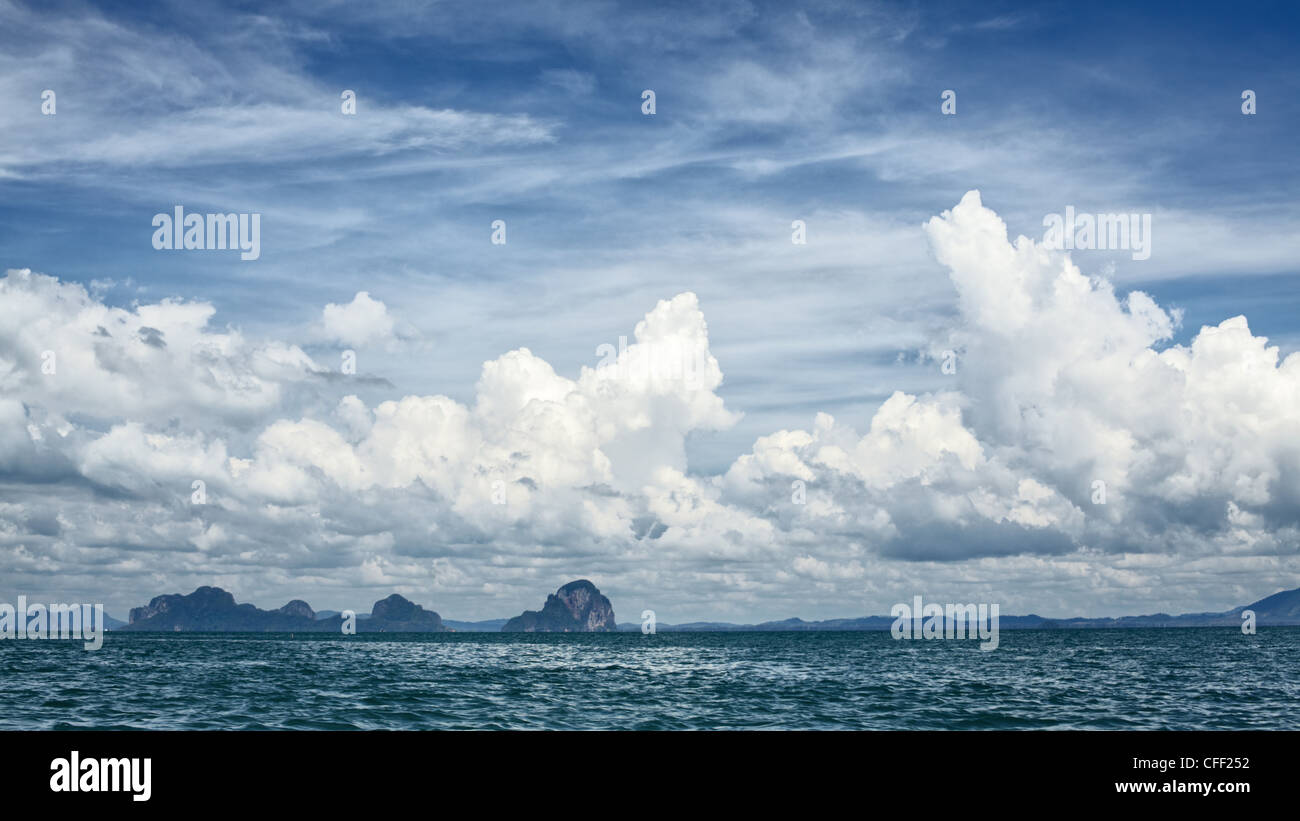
(1212, 678)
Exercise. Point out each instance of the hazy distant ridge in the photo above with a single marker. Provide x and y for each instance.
(1278, 609)
(211, 609)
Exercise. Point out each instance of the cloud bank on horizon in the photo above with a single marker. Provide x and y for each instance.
(1059, 384)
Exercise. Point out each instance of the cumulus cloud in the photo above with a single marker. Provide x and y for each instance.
(363, 321)
(1063, 395)
(1061, 384)
(1080, 385)
(65, 352)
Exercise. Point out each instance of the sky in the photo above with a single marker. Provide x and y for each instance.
(651, 382)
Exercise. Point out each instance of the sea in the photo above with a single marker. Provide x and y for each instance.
(1168, 679)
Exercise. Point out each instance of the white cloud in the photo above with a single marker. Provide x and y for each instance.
(177, 102)
(1060, 382)
(65, 352)
(363, 321)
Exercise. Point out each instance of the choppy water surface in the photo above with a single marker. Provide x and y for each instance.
(1212, 678)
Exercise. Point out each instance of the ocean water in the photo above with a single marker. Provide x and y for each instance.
(1210, 678)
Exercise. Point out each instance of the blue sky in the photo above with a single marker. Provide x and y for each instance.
(829, 113)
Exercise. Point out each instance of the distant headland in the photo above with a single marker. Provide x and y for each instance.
(213, 610)
(579, 607)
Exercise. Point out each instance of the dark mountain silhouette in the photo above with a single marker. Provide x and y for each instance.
(396, 614)
(1280, 608)
(577, 607)
(213, 610)
(299, 608)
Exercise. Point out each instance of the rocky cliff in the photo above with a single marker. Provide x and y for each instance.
(396, 614)
(213, 610)
(577, 607)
